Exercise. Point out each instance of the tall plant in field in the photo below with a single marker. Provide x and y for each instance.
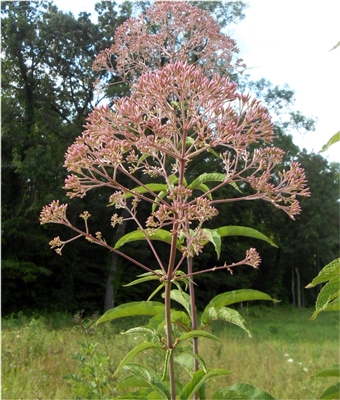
(182, 106)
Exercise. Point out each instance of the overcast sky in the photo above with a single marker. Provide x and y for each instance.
(288, 42)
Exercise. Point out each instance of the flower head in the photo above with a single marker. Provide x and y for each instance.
(54, 212)
(168, 32)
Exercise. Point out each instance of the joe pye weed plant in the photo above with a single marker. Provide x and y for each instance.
(182, 109)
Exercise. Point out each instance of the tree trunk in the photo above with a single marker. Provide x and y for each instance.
(298, 288)
(110, 282)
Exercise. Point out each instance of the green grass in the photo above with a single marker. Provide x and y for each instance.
(286, 349)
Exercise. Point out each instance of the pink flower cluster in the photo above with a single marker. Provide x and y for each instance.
(173, 115)
(179, 108)
(168, 32)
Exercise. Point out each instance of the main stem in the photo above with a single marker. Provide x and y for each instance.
(169, 343)
(193, 316)
(169, 279)
(167, 304)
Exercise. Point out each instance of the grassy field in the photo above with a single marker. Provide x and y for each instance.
(286, 349)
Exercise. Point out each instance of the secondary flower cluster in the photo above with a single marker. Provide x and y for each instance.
(168, 32)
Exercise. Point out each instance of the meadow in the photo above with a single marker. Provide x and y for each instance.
(59, 356)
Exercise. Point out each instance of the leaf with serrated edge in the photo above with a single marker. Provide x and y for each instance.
(181, 298)
(207, 177)
(335, 47)
(141, 280)
(234, 230)
(242, 391)
(328, 272)
(198, 379)
(157, 323)
(333, 305)
(225, 314)
(130, 382)
(327, 294)
(137, 349)
(335, 138)
(148, 188)
(205, 189)
(198, 333)
(335, 371)
(181, 319)
(151, 378)
(141, 394)
(132, 309)
(188, 362)
(161, 235)
(215, 238)
(238, 296)
(142, 330)
(333, 392)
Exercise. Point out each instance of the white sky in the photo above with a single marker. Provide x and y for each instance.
(288, 42)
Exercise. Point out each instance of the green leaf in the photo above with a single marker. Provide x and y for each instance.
(158, 288)
(157, 323)
(225, 314)
(328, 272)
(160, 234)
(215, 238)
(132, 309)
(180, 280)
(214, 235)
(212, 151)
(181, 319)
(140, 347)
(130, 382)
(335, 371)
(161, 195)
(204, 188)
(235, 186)
(231, 394)
(148, 188)
(186, 359)
(154, 380)
(141, 394)
(333, 392)
(242, 391)
(198, 379)
(328, 293)
(141, 280)
(182, 298)
(336, 46)
(198, 333)
(243, 231)
(333, 305)
(207, 177)
(238, 296)
(335, 138)
(142, 330)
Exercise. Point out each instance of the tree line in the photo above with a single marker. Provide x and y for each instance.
(47, 93)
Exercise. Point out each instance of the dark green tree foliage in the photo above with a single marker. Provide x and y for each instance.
(225, 12)
(47, 83)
